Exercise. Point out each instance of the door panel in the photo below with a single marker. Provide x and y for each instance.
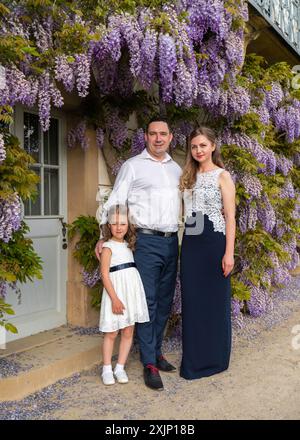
(43, 302)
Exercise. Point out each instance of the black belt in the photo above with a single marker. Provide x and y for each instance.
(154, 232)
(122, 266)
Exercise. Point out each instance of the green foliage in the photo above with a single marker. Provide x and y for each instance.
(239, 290)
(18, 259)
(86, 230)
(15, 173)
(5, 309)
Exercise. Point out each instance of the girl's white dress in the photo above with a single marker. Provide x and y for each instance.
(129, 288)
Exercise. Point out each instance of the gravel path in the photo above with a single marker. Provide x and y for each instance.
(263, 381)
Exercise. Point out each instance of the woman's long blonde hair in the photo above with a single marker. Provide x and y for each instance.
(191, 167)
(130, 235)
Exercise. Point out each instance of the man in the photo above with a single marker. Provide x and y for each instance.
(148, 183)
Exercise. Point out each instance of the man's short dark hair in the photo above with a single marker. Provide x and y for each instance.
(158, 118)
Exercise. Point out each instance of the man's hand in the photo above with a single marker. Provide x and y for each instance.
(98, 248)
(117, 307)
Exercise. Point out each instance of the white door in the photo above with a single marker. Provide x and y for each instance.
(43, 302)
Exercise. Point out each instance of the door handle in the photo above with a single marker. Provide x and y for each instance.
(64, 233)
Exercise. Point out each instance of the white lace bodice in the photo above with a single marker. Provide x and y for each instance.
(206, 197)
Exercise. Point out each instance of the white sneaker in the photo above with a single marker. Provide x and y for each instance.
(121, 376)
(108, 378)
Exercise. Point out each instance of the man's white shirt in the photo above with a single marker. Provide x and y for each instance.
(150, 188)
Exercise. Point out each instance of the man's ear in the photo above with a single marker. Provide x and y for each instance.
(171, 136)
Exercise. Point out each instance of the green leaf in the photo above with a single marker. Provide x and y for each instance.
(11, 328)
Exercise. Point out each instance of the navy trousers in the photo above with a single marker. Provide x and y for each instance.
(156, 260)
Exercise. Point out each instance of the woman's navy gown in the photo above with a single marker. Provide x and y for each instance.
(206, 293)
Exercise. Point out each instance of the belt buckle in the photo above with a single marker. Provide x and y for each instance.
(168, 234)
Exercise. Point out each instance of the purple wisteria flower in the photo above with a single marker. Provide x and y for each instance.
(167, 66)
(116, 128)
(44, 101)
(3, 289)
(64, 72)
(78, 135)
(263, 113)
(287, 119)
(273, 96)
(116, 167)
(248, 218)
(176, 306)
(287, 191)
(100, 137)
(280, 228)
(266, 214)
(138, 142)
(234, 48)
(284, 165)
(179, 138)
(260, 301)
(18, 88)
(10, 217)
(236, 306)
(252, 185)
(183, 87)
(90, 279)
(83, 74)
(280, 273)
(264, 156)
(291, 248)
(42, 32)
(148, 53)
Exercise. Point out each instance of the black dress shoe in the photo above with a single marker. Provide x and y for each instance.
(163, 365)
(152, 378)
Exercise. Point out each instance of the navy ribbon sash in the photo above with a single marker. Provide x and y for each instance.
(121, 266)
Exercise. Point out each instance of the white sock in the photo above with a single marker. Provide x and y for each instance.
(119, 367)
(106, 368)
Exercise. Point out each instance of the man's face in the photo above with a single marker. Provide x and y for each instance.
(158, 138)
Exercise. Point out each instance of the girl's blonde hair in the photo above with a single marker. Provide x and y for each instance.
(189, 173)
(130, 235)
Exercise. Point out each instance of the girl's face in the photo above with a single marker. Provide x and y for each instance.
(118, 226)
(202, 149)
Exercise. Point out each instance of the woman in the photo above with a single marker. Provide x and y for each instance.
(207, 258)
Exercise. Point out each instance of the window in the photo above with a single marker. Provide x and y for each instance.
(44, 148)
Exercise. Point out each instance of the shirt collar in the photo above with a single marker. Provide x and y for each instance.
(146, 155)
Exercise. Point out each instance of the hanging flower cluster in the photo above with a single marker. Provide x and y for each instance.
(10, 217)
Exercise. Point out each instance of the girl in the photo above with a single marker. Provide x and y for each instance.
(123, 299)
(206, 258)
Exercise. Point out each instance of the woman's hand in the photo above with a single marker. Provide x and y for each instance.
(117, 307)
(227, 264)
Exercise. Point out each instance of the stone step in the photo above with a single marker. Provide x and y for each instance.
(30, 364)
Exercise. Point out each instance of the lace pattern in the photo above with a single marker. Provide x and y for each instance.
(206, 197)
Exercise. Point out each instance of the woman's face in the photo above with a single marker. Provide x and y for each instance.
(118, 225)
(202, 149)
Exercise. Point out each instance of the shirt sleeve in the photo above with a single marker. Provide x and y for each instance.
(119, 194)
(107, 245)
